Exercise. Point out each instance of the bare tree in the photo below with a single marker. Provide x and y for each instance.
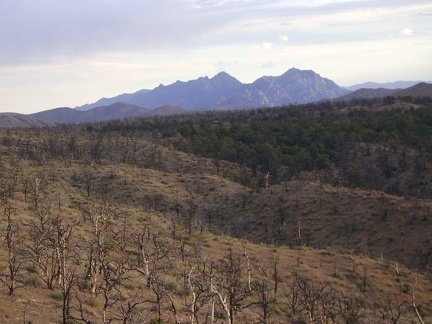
(311, 294)
(198, 274)
(66, 270)
(413, 303)
(106, 268)
(265, 299)
(41, 243)
(153, 251)
(349, 307)
(38, 192)
(394, 308)
(270, 269)
(293, 296)
(230, 286)
(13, 241)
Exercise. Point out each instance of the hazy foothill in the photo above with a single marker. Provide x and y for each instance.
(286, 200)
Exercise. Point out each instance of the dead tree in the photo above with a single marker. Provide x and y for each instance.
(311, 293)
(393, 309)
(152, 253)
(199, 285)
(129, 309)
(299, 234)
(14, 243)
(267, 180)
(66, 270)
(413, 303)
(41, 245)
(293, 296)
(270, 269)
(264, 300)
(104, 274)
(349, 307)
(38, 193)
(230, 286)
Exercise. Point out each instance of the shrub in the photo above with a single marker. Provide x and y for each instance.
(406, 288)
(31, 268)
(32, 280)
(92, 302)
(57, 296)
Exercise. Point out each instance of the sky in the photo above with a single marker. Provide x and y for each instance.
(66, 53)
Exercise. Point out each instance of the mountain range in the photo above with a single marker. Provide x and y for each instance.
(224, 91)
(217, 93)
(220, 92)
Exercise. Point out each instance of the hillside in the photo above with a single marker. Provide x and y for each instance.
(386, 85)
(13, 120)
(109, 101)
(421, 89)
(118, 110)
(173, 219)
(365, 93)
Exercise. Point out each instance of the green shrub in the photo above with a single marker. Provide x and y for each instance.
(57, 296)
(406, 288)
(32, 280)
(92, 302)
(31, 268)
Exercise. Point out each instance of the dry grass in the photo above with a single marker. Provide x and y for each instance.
(351, 239)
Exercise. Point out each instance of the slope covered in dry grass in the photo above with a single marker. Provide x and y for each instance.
(100, 226)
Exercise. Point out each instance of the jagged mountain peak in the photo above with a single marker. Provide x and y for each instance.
(294, 70)
(294, 86)
(224, 76)
(296, 74)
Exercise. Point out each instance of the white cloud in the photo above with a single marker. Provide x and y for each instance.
(407, 32)
(266, 45)
(284, 38)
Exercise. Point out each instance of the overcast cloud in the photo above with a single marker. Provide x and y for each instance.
(70, 52)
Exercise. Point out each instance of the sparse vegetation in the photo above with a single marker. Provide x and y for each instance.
(120, 222)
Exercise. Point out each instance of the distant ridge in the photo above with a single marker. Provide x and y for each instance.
(118, 110)
(109, 101)
(14, 120)
(369, 94)
(387, 85)
(167, 110)
(421, 89)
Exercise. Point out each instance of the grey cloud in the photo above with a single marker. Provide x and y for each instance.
(35, 31)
